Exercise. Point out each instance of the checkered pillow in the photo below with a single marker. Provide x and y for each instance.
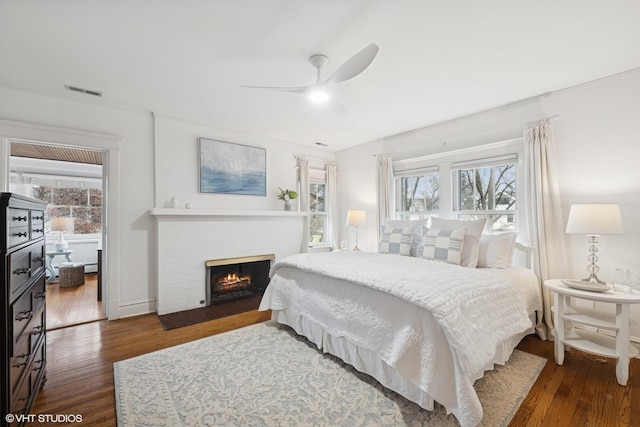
(443, 245)
(396, 241)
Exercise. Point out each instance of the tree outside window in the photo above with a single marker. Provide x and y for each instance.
(417, 195)
(84, 205)
(318, 217)
(488, 192)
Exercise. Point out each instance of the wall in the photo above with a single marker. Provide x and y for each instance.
(157, 159)
(598, 146)
(598, 140)
(357, 165)
(132, 285)
(176, 165)
(219, 225)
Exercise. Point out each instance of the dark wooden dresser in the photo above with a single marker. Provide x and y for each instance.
(22, 305)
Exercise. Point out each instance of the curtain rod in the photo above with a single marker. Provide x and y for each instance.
(444, 141)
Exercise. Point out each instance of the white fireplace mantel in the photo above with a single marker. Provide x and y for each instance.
(222, 212)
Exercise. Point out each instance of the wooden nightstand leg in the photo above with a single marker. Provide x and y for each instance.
(622, 343)
(559, 326)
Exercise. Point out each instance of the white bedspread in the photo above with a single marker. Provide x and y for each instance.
(476, 310)
(457, 324)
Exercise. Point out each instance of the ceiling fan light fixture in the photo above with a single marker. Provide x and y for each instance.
(319, 95)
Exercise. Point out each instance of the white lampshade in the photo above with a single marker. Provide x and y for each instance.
(62, 224)
(595, 219)
(356, 217)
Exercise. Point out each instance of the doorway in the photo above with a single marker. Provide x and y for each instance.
(70, 180)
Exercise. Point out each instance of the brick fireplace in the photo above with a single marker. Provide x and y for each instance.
(231, 279)
(187, 238)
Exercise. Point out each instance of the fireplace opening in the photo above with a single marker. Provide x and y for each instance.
(232, 279)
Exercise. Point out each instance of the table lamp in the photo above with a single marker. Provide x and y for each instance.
(356, 218)
(62, 225)
(594, 220)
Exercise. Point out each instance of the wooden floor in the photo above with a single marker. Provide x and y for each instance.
(73, 305)
(582, 392)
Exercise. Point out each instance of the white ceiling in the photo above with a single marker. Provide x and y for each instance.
(438, 59)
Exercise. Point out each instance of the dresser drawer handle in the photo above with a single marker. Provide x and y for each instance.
(38, 259)
(20, 218)
(38, 218)
(24, 315)
(20, 234)
(24, 356)
(26, 398)
(37, 330)
(39, 295)
(20, 271)
(38, 230)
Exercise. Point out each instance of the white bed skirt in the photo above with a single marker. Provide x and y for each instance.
(366, 361)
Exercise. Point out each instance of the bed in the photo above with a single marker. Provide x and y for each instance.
(424, 329)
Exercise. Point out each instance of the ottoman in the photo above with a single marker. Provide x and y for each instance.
(71, 274)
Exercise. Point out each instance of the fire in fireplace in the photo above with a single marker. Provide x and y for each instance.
(231, 279)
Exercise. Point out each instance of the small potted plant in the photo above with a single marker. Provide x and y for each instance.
(287, 196)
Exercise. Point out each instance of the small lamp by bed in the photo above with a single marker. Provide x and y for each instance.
(594, 220)
(356, 218)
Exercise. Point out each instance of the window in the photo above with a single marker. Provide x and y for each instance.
(66, 196)
(418, 195)
(318, 216)
(481, 182)
(84, 205)
(487, 192)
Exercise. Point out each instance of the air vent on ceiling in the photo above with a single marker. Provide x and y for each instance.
(82, 90)
(322, 144)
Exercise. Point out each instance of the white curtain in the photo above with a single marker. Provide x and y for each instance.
(331, 206)
(302, 165)
(385, 190)
(542, 203)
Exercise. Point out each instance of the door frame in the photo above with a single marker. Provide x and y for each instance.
(110, 146)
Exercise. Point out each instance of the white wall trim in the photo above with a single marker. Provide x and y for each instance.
(35, 132)
(135, 308)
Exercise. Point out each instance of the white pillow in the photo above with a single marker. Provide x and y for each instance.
(417, 225)
(443, 245)
(396, 241)
(496, 250)
(471, 239)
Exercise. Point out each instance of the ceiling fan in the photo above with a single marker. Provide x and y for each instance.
(319, 91)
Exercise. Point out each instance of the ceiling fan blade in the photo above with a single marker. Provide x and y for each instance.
(337, 107)
(356, 64)
(295, 89)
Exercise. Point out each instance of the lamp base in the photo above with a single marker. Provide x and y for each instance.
(61, 246)
(593, 280)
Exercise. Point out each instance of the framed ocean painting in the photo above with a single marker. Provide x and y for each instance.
(228, 168)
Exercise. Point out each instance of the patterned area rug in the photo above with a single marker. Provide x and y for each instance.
(265, 375)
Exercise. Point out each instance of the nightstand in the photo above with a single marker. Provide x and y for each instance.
(566, 315)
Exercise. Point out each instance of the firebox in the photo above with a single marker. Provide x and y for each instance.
(231, 279)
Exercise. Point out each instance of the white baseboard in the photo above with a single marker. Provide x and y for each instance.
(131, 309)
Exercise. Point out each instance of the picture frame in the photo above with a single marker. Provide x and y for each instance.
(230, 168)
